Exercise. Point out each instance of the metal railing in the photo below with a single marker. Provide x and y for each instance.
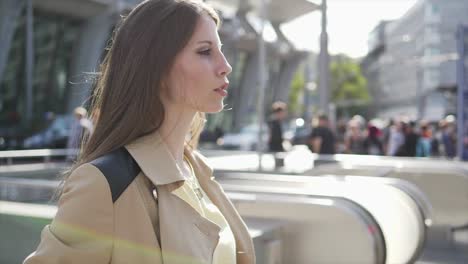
(46, 154)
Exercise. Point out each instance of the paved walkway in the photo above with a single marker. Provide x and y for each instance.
(445, 248)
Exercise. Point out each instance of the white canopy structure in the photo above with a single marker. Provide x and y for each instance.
(277, 11)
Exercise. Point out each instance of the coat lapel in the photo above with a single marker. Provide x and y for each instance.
(244, 245)
(155, 160)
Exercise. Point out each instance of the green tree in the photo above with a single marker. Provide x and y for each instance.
(297, 88)
(348, 86)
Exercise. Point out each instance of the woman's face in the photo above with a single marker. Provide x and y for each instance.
(198, 80)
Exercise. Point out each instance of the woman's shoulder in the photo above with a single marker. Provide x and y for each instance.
(113, 171)
(85, 178)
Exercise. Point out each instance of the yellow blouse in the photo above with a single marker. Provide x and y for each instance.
(191, 193)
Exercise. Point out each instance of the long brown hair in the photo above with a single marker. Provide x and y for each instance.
(126, 102)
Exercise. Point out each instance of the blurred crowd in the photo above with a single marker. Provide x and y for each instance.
(396, 137)
(399, 136)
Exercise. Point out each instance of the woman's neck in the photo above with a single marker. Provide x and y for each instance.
(174, 130)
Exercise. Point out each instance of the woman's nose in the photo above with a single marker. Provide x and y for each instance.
(225, 68)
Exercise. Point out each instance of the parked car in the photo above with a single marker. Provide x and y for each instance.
(246, 139)
(54, 136)
(11, 137)
(301, 135)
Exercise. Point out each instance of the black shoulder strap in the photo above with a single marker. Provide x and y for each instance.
(119, 168)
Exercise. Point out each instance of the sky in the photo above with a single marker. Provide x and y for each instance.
(349, 24)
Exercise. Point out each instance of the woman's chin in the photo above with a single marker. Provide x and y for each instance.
(214, 109)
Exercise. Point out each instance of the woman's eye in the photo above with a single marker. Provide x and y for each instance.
(205, 52)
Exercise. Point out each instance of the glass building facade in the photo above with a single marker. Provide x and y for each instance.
(53, 40)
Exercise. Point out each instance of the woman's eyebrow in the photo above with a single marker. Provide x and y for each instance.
(205, 42)
(209, 42)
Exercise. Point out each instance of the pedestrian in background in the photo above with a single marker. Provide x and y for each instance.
(386, 134)
(411, 140)
(396, 138)
(81, 127)
(278, 115)
(354, 139)
(423, 147)
(448, 137)
(139, 192)
(372, 143)
(340, 136)
(275, 126)
(322, 138)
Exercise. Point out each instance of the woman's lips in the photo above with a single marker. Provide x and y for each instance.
(222, 90)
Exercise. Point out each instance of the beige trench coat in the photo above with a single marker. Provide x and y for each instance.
(90, 228)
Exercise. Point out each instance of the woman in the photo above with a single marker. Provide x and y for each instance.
(139, 192)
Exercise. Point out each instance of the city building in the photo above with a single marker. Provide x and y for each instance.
(412, 69)
(371, 65)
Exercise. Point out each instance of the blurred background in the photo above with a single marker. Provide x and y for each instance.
(372, 100)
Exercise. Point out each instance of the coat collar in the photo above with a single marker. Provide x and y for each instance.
(157, 163)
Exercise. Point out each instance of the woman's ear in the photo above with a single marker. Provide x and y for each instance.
(164, 90)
